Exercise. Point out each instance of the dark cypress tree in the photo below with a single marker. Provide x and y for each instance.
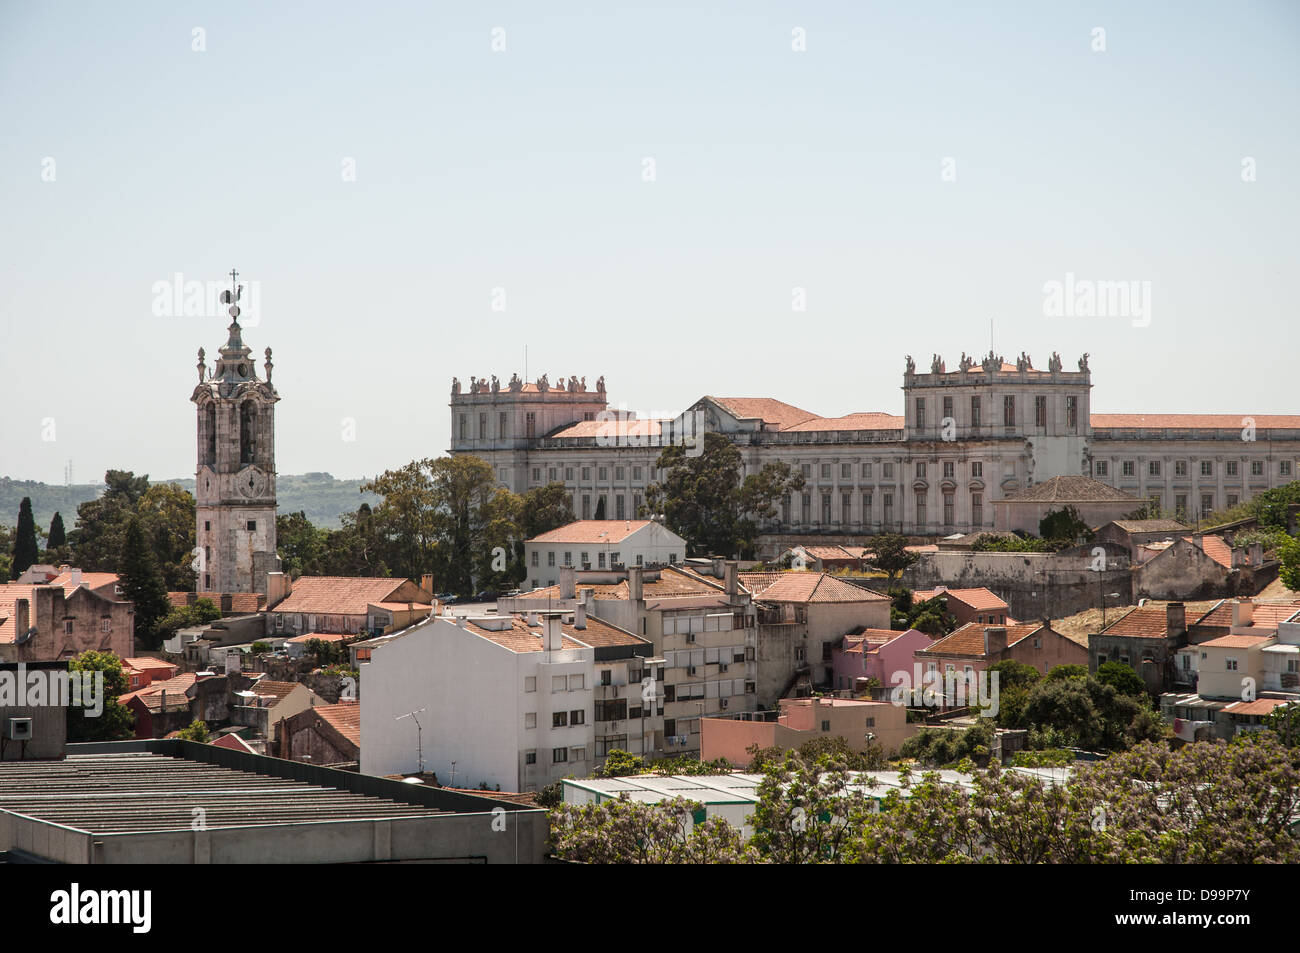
(143, 584)
(25, 549)
(57, 536)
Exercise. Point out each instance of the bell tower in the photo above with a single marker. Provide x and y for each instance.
(235, 478)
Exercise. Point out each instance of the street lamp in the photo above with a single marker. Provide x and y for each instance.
(419, 736)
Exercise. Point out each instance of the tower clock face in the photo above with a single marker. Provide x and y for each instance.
(252, 482)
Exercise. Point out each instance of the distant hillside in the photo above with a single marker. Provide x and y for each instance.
(323, 498)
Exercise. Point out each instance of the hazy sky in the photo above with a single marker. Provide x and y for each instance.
(916, 169)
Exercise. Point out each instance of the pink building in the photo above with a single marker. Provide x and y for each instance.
(875, 653)
(800, 720)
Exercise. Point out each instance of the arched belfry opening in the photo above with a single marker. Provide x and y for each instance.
(247, 432)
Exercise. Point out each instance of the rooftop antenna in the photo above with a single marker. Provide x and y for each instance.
(419, 735)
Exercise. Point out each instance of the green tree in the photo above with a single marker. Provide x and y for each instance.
(1089, 713)
(703, 499)
(114, 722)
(890, 556)
(357, 548)
(1064, 524)
(544, 508)
(405, 517)
(183, 617)
(25, 551)
(194, 731)
(143, 584)
(1288, 554)
(1120, 677)
(623, 831)
(1067, 671)
(301, 545)
(100, 532)
(167, 516)
(58, 537)
(620, 764)
(807, 812)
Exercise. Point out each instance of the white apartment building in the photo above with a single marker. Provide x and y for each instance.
(600, 544)
(968, 437)
(505, 700)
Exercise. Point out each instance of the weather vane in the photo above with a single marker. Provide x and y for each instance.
(232, 296)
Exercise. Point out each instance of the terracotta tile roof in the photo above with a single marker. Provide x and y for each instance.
(91, 580)
(521, 637)
(610, 428)
(278, 690)
(1237, 641)
(1260, 706)
(1215, 548)
(338, 595)
(1072, 489)
(1265, 614)
(1150, 526)
(969, 639)
(345, 717)
(797, 586)
(673, 581)
(403, 606)
(593, 532)
(143, 664)
(861, 421)
(868, 640)
(980, 598)
(323, 636)
(179, 687)
(10, 593)
(772, 412)
(1193, 421)
(1144, 622)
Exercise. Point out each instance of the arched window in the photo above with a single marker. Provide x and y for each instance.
(247, 431)
(210, 433)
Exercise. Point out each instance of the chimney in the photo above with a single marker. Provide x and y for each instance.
(76, 577)
(580, 610)
(995, 639)
(1176, 619)
(634, 583)
(731, 577)
(553, 640)
(1243, 612)
(566, 582)
(717, 567)
(278, 587)
(426, 583)
(22, 618)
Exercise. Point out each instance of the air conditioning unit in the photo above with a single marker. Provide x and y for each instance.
(19, 729)
(722, 666)
(722, 703)
(690, 670)
(690, 636)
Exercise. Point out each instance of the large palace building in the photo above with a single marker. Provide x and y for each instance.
(969, 437)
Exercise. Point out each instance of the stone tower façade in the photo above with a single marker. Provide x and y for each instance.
(235, 478)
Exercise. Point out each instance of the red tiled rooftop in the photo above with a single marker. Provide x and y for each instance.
(610, 428)
(338, 595)
(1237, 641)
(1215, 548)
(1144, 622)
(969, 638)
(1194, 421)
(861, 421)
(1265, 614)
(1260, 706)
(593, 532)
(797, 586)
(980, 598)
(777, 413)
(345, 717)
